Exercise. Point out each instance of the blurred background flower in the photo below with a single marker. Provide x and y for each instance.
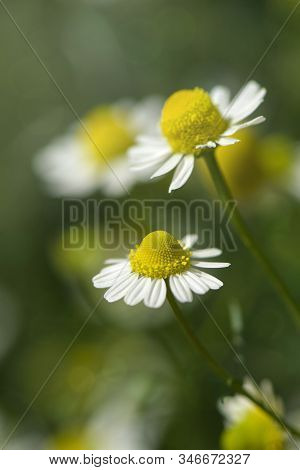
(92, 154)
(100, 51)
(257, 164)
(246, 425)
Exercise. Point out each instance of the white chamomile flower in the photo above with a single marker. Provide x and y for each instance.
(247, 426)
(158, 260)
(93, 155)
(193, 120)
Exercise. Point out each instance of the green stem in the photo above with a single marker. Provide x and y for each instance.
(231, 382)
(247, 238)
(219, 370)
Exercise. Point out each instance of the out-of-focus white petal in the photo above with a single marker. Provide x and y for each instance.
(65, 168)
(189, 240)
(234, 408)
(145, 114)
(147, 140)
(220, 96)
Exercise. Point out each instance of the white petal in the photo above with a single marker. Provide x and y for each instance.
(220, 96)
(120, 288)
(143, 149)
(210, 264)
(151, 165)
(207, 253)
(118, 267)
(234, 408)
(168, 165)
(211, 281)
(249, 109)
(247, 112)
(246, 93)
(182, 172)
(142, 154)
(189, 240)
(108, 276)
(156, 294)
(148, 161)
(224, 141)
(249, 95)
(233, 129)
(180, 288)
(106, 280)
(195, 283)
(138, 292)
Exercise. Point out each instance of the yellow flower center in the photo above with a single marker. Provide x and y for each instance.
(189, 118)
(106, 133)
(159, 256)
(256, 430)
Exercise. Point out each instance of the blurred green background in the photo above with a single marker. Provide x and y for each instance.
(131, 380)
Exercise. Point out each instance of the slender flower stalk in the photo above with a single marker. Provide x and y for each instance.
(248, 239)
(234, 384)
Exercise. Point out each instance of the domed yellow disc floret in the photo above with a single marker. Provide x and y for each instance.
(107, 133)
(159, 256)
(189, 118)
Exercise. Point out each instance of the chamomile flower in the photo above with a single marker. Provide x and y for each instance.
(193, 120)
(92, 156)
(249, 427)
(158, 260)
